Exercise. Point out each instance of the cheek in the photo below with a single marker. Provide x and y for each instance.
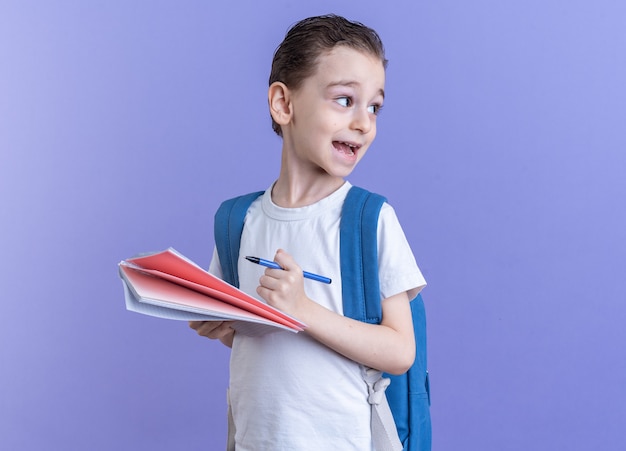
(372, 133)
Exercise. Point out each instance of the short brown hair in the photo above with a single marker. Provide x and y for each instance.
(295, 57)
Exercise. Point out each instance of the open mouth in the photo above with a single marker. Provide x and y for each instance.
(346, 147)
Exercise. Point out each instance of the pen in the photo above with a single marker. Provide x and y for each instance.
(272, 264)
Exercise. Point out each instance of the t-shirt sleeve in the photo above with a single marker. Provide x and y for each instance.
(398, 270)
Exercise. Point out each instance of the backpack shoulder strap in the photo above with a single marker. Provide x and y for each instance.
(408, 394)
(358, 237)
(228, 226)
(359, 255)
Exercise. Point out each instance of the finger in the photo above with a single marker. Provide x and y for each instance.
(286, 261)
(224, 329)
(271, 273)
(271, 281)
(213, 329)
(266, 294)
(209, 326)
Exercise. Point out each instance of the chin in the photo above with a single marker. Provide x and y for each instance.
(343, 173)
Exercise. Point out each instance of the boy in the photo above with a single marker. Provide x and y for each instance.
(305, 391)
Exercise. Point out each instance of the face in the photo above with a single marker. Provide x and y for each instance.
(333, 113)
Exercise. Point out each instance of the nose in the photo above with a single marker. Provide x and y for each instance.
(362, 120)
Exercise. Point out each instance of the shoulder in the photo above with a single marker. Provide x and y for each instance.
(387, 214)
(242, 199)
(235, 208)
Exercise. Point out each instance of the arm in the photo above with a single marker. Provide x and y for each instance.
(388, 346)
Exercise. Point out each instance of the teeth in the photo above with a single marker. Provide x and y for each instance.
(349, 148)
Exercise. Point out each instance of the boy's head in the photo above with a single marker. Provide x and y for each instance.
(296, 57)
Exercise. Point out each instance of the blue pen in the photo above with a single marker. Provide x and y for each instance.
(272, 264)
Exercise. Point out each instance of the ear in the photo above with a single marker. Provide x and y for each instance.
(279, 98)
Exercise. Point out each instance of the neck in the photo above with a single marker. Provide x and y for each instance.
(293, 190)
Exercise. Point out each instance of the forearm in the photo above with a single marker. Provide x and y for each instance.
(389, 346)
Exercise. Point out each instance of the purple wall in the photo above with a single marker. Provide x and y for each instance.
(502, 146)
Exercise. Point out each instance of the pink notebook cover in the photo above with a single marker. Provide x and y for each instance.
(174, 267)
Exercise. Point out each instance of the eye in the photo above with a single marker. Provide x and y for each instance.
(374, 109)
(344, 101)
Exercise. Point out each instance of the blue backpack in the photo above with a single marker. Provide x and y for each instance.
(408, 394)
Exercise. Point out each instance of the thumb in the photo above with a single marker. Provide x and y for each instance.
(285, 260)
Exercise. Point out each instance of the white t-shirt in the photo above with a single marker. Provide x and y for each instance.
(288, 391)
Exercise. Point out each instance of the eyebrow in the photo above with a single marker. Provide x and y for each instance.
(351, 84)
